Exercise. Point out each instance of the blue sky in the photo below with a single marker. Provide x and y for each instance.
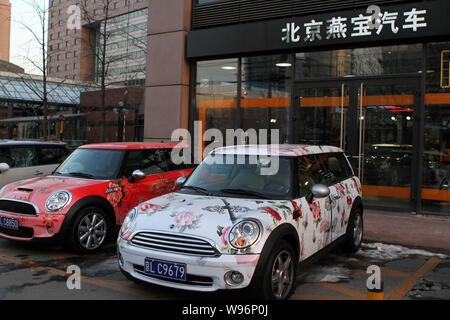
(22, 41)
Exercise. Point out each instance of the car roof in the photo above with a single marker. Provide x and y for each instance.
(33, 143)
(133, 145)
(285, 150)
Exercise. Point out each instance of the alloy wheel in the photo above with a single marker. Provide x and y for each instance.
(282, 275)
(92, 231)
(357, 230)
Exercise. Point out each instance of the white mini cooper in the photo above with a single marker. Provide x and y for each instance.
(247, 216)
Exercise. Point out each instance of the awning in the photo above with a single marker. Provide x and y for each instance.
(36, 119)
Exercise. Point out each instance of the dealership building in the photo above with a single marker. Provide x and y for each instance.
(374, 80)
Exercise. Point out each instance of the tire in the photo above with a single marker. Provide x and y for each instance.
(89, 231)
(355, 230)
(281, 265)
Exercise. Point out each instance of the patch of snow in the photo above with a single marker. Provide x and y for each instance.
(327, 274)
(382, 251)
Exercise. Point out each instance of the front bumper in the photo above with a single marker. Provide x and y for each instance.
(42, 226)
(203, 273)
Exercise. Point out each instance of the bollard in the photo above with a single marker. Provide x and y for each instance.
(375, 294)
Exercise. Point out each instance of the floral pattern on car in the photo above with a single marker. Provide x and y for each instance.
(189, 213)
(114, 193)
(186, 220)
(150, 208)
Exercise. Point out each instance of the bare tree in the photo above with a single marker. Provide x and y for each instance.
(98, 17)
(40, 36)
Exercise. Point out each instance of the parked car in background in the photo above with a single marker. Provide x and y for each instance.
(230, 227)
(390, 165)
(89, 194)
(26, 159)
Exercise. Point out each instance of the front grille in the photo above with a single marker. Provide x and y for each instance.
(175, 243)
(23, 232)
(190, 278)
(17, 207)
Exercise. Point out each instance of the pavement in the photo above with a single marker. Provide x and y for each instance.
(409, 274)
(414, 231)
(412, 252)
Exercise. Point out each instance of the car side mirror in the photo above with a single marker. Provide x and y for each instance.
(317, 191)
(4, 167)
(180, 181)
(136, 175)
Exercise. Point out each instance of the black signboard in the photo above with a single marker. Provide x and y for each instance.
(408, 21)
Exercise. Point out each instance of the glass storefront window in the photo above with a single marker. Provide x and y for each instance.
(216, 93)
(266, 93)
(330, 96)
(373, 61)
(436, 157)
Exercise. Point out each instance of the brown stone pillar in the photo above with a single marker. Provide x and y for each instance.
(5, 29)
(167, 81)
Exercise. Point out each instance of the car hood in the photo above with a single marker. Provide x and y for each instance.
(206, 216)
(35, 188)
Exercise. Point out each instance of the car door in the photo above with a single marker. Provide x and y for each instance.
(339, 176)
(315, 223)
(174, 171)
(22, 161)
(49, 157)
(135, 191)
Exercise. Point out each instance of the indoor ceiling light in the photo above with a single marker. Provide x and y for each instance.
(228, 68)
(283, 64)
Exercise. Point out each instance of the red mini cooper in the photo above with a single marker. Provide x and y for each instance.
(89, 194)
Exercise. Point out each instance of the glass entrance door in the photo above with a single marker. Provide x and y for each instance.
(373, 121)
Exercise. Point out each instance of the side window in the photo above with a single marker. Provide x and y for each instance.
(24, 157)
(5, 157)
(336, 171)
(49, 155)
(150, 161)
(310, 171)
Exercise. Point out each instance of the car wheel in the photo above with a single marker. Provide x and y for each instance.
(89, 230)
(279, 274)
(355, 230)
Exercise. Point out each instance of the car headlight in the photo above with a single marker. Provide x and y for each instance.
(131, 216)
(125, 228)
(244, 234)
(58, 201)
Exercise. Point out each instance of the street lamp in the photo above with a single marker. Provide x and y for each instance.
(121, 126)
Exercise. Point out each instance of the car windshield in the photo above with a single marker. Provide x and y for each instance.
(101, 164)
(242, 176)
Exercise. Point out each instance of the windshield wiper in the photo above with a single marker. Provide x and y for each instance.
(245, 192)
(81, 174)
(198, 189)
